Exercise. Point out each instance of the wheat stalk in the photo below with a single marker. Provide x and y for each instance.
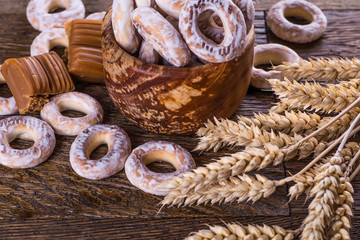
(239, 231)
(320, 68)
(331, 98)
(240, 188)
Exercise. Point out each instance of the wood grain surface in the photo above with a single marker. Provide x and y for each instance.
(51, 200)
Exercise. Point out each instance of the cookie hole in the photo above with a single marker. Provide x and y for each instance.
(59, 50)
(210, 25)
(99, 152)
(5, 91)
(159, 161)
(56, 9)
(298, 20)
(298, 16)
(266, 67)
(73, 113)
(19, 143)
(161, 167)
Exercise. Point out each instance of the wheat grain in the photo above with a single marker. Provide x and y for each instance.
(233, 231)
(320, 68)
(306, 96)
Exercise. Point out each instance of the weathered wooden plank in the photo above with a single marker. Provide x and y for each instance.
(322, 4)
(260, 29)
(124, 228)
(341, 38)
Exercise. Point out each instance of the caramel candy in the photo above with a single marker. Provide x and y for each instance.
(84, 52)
(32, 79)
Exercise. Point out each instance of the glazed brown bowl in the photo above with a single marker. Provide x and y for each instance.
(173, 100)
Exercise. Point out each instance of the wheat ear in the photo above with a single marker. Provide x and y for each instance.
(289, 122)
(240, 188)
(224, 132)
(227, 132)
(325, 194)
(320, 68)
(306, 96)
(238, 231)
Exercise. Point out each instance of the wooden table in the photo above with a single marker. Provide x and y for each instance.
(50, 200)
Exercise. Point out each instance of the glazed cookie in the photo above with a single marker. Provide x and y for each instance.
(119, 148)
(25, 127)
(81, 102)
(38, 15)
(148, 181)
(292, 32)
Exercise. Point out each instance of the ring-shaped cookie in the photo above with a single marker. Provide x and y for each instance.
(145, 179)
(76, 101)
(30, 128)
(292, 32)
(233, 24)
(38, 15)
(46, 40)
(270, 53)
(119, 148)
